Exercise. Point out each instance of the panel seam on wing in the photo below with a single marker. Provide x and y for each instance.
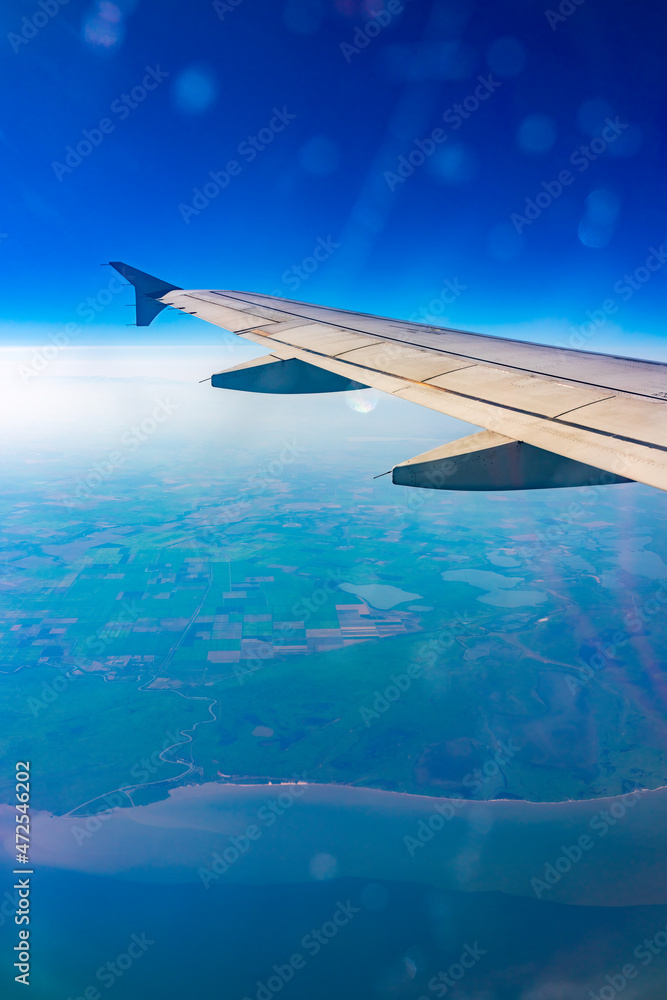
(482, 361)
(582, 406)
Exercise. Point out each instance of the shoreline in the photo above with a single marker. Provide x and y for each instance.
(604, 852)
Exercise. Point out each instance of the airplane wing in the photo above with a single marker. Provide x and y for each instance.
(551, 416)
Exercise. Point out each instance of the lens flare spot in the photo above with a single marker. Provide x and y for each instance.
(362, 400)
(323, 866)
(195, 90)
(537, 134)
(602, 210)
(104, 27)
(455, 164)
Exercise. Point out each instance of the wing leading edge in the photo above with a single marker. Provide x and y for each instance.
(551, 416)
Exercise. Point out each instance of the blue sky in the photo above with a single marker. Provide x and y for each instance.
(407, 145)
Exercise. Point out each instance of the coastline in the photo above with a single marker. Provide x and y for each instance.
(596, 852)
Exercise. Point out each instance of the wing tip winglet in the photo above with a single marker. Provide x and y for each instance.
(148, 291)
